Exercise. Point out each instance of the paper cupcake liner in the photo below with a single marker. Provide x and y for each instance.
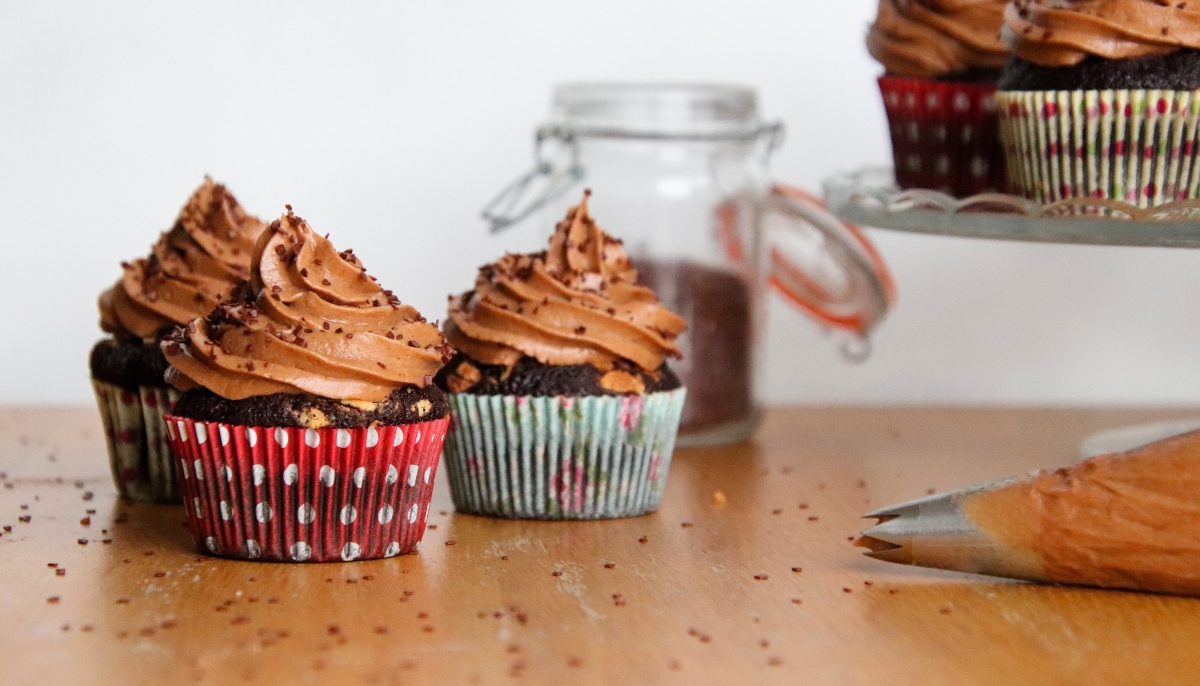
(944, 135)
(1138, 146)
(138, 449)
(594, 457)
(290, 494)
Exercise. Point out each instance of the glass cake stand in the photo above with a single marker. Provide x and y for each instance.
(870, 197)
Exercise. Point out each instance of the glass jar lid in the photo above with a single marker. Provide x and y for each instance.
(650, 110)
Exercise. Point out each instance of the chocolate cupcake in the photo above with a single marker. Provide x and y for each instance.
(309, 427)
(942, 60)
(1100, 100)
(193, 266)
(563, 404)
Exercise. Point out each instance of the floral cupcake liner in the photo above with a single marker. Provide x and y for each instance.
(593, 457)
(944, 135)
(136, 435)
(1137, 146)
(289, 494)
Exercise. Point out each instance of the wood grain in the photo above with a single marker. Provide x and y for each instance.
(697, 593)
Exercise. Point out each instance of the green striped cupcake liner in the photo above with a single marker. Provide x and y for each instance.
(1137, 146)
(559, 457)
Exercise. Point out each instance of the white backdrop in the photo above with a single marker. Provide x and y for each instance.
(390, 124)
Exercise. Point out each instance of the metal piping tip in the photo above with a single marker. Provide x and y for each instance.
(912, 507)
(885, 550)
(935, 532)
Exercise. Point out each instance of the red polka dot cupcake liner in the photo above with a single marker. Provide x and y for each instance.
(135, 434)
(945, 136)
(1136, 146)
(288, 494)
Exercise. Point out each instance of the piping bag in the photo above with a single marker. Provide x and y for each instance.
(1126, 520)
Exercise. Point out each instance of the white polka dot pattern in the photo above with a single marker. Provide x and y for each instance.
(940, 131)
(327, 476)
(306, 514)
(240, 488)
(301, 551)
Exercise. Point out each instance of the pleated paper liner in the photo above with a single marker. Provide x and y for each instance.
(136, 436)
(290, 494)
(1136, 146)
(945, 135)
(593, 457)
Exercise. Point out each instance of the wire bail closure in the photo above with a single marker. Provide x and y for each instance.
(537, 187)
(546, 182)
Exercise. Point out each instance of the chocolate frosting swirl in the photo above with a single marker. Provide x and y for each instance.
(1060, 33)
(309, 321)
(193, 267)
(577, 303)
(930, 38)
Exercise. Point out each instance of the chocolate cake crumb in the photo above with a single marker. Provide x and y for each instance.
(1176, 70)
(406, 405)
(971, 75)
(529, 377)
(128, 364)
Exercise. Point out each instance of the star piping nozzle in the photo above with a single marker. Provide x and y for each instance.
(1126, 520)
(935, 532)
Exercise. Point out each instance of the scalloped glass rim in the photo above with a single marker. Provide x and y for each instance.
(870, 197)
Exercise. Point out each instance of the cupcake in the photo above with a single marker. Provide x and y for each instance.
(309, 426)
(1100, 100)
(563, 405)
(193, 267)
(942, 60)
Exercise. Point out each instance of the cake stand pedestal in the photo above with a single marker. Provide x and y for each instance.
(870, 197)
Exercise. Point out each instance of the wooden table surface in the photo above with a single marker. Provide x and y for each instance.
(764, 588)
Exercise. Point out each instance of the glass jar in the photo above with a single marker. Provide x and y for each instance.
(681, 174)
